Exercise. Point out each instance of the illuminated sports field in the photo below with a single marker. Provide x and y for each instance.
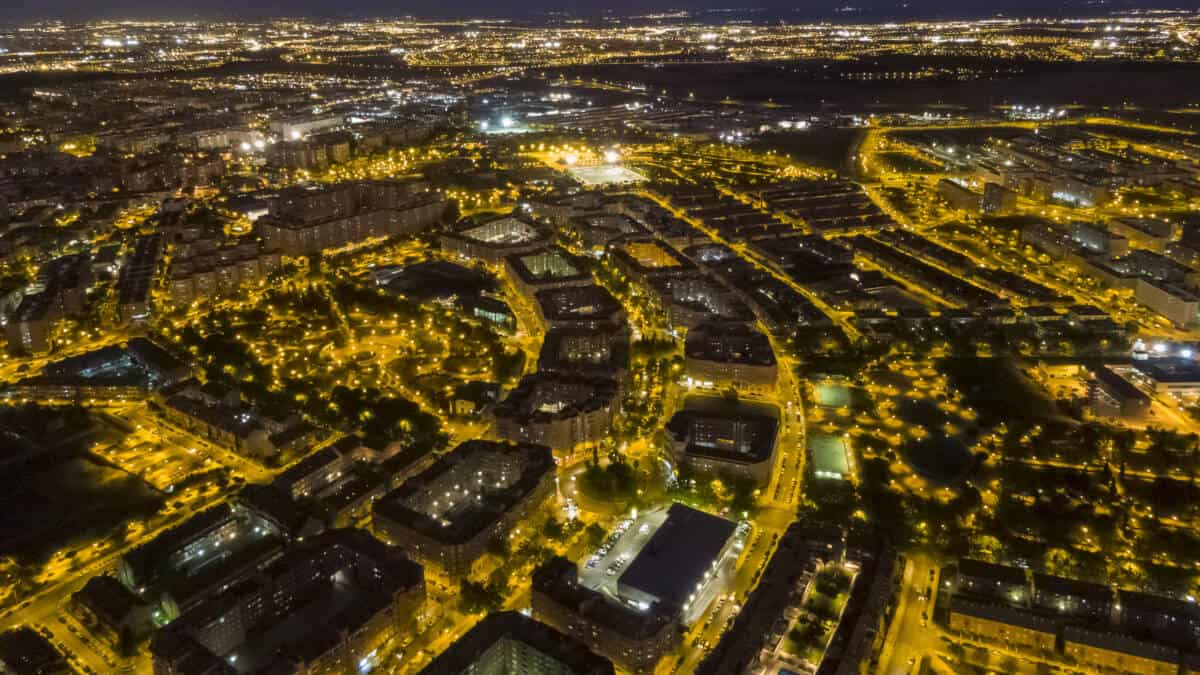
(605, 174)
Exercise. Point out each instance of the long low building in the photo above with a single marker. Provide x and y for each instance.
(494, 240)
(509, 643)
(1112, 652)
(116, 372)
(295, 237)
(187, 564)
(446, 516)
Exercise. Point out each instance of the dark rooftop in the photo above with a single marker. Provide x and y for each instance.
(729, 343)
(746, 433)
(991, 571)
(678, 554)
(24, 652)
(466, 652)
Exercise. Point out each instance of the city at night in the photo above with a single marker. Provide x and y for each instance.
(522, 338)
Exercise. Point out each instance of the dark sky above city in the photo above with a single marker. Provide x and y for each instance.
(772, 10)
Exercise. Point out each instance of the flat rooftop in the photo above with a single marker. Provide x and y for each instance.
(733, 431)
(605, 174)
(578, 303)
(502, 231)
(1170, 370)
(651, 254)
(545, 396)
(467, 489)
(672, 565)
(550, 265)
(729, 343)
(508, 629)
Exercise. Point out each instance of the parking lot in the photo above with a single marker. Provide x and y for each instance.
(602, 570)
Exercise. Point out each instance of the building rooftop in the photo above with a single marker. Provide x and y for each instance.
(1004, 614)
(979, 569)
(578, 304)
(729, 343)
(1124, 644)
(1093, 592)
(649, 256)
(674, 562)
(490, 634)
(598, 350)
(25, 652)
(502, 232)
(314, 595)
(1151, 602)
(471, 501)
(1172, 370)
(105, 597)
(551, 265)
(1117, 384)
(140, 363)
(558, 579)
(726, 430)
(546, 396)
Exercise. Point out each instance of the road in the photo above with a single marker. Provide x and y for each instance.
(706, 632)
(48, 604)
(912, 633)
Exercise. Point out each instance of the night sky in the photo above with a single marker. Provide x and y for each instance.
(19, 10)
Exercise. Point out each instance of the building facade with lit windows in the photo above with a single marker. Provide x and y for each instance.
(494, 240)
(730, 355)
(1108, 652)
(328, 605)
(307, 220)
(559, 410)
(509, 643)
(634, 640)
(718, 438)
(1017, 629)
(447, 516)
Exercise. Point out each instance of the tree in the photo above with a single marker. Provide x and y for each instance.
(477, 597)
(553, 529)
(594, 534)
(1060, 562)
